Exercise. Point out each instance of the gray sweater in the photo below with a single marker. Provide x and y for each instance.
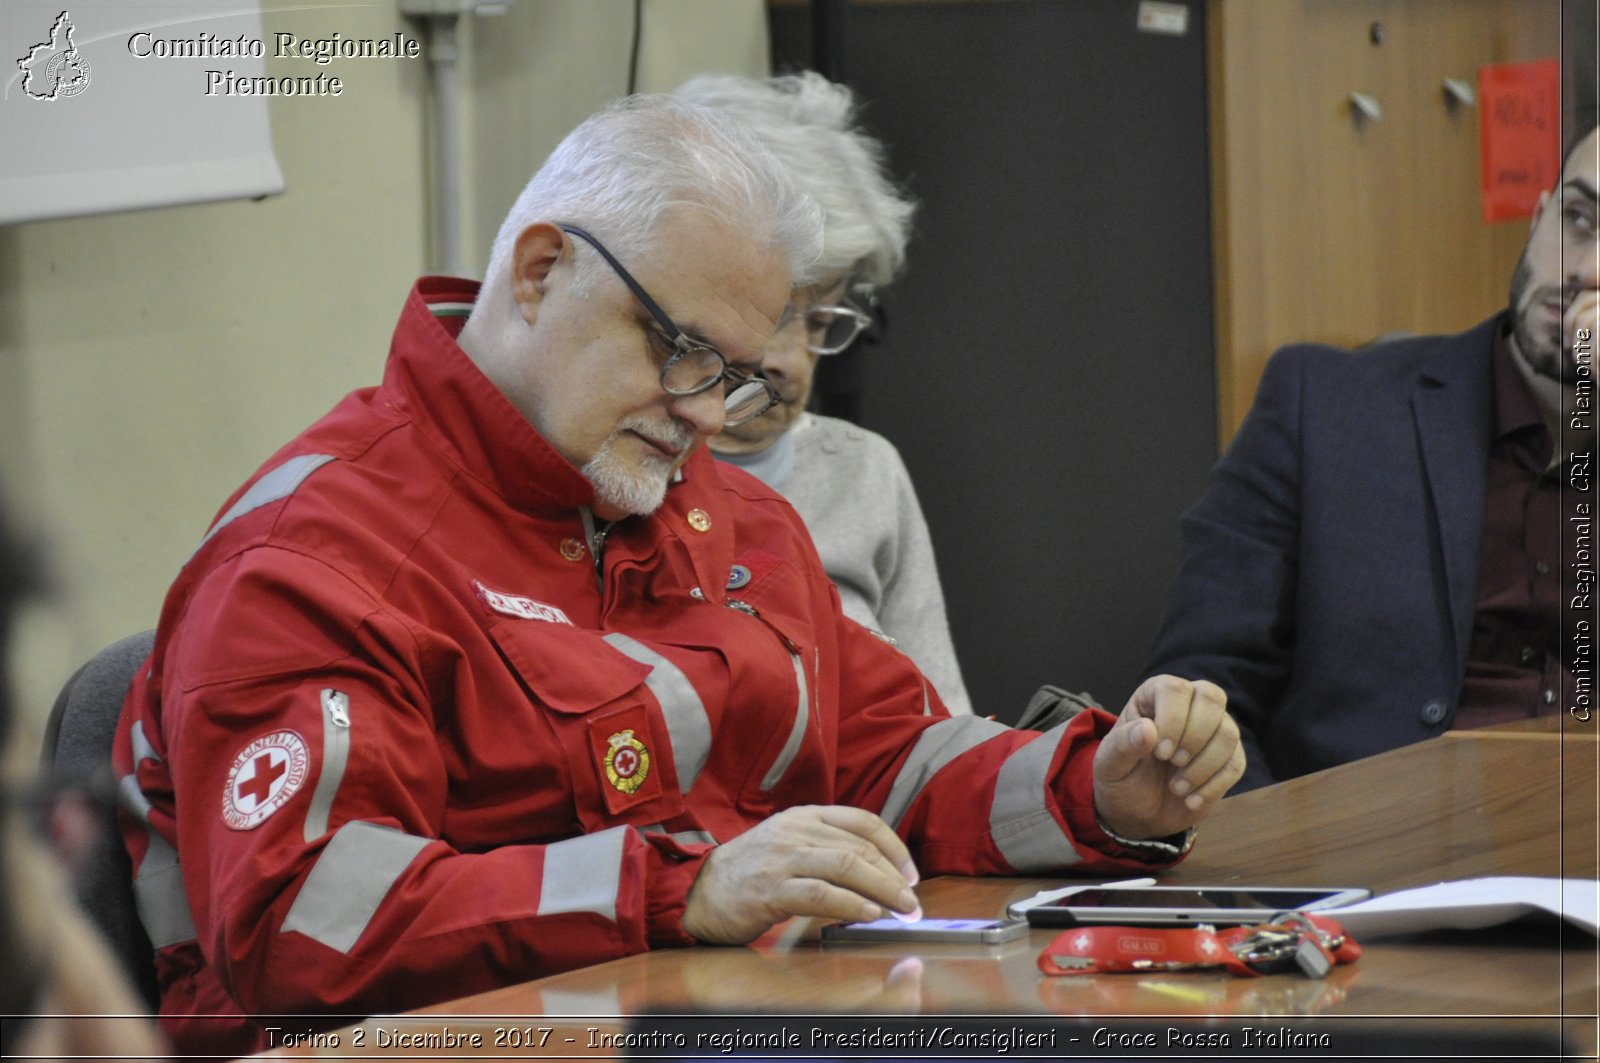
(855, 495)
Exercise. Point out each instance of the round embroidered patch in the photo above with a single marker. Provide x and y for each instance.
(265, 774)
(627, 762)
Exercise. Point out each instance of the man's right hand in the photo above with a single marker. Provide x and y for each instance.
(827, 861)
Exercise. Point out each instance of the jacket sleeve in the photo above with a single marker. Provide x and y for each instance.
(1231, 617)
(310, 787)
(969, 795)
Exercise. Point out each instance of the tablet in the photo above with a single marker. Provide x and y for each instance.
(1188, 905)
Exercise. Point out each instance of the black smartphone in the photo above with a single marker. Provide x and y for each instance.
(1188, 905)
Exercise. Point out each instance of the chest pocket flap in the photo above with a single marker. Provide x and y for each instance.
(569, 669)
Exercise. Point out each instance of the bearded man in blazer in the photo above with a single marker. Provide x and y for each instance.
(1380, 556)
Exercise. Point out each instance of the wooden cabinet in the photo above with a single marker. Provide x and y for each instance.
(1337, 228)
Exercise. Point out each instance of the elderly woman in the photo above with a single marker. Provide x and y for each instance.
(848, 484)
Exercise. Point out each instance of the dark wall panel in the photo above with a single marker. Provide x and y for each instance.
(1047, 366)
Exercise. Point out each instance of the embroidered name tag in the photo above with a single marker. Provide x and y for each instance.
(520, 607)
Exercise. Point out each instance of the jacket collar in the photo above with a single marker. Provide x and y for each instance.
(1448, 364)
(433, 381)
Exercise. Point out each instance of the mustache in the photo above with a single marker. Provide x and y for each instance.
(673, 434)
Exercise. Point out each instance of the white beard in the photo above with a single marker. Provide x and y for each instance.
(640, 486)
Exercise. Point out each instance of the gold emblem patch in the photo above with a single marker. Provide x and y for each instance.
(627, 761)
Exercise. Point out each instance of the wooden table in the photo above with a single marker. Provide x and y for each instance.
(1518, 800)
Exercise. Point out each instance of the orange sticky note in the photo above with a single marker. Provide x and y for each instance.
(1519, 124)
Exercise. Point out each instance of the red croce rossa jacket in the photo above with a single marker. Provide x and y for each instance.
(411, 742)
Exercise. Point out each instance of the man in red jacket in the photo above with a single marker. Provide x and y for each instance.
(492, 672)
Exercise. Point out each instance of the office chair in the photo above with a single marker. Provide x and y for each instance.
(77, 750)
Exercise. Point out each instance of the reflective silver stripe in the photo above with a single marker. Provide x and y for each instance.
(687, 837)
(133, 798)
(927, 706)
(142, 749)
(688, 727)
(937, 746)
(356, 870)
(583, 874)
(158, 887)
(797, 733)
(279, 483)
(1022, 827)
(335, 755)
(158, 892)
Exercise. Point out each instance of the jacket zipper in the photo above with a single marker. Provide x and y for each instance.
(335, 757)
(595, 537)
(802, 712)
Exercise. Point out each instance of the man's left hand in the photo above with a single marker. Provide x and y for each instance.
(1170, 757)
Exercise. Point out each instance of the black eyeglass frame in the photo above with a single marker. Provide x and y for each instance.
(683, 346)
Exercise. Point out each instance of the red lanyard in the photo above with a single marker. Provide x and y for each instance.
(1311, 944)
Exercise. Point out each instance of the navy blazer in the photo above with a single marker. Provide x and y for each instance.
(1330, 571)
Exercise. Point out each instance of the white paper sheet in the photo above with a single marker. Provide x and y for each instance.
(1471, 903)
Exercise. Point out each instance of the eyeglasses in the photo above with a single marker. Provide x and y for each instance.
(694, 368)
(832, 328)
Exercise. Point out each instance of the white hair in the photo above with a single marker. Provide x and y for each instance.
(809, 123)
(625, 168)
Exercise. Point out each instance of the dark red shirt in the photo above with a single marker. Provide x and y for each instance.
(1521, 659)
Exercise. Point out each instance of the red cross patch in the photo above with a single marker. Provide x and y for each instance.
(628, 762)
(265, 774)
(625, 758)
